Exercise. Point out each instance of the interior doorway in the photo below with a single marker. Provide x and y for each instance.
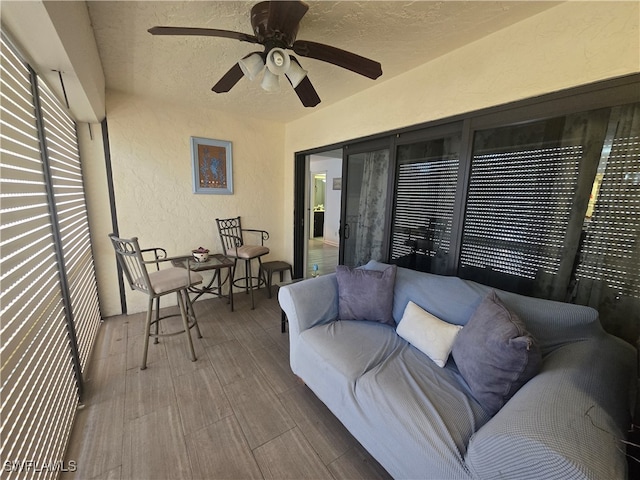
(322, 218)
(318, 198)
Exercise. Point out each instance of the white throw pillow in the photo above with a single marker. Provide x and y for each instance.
(429, 334)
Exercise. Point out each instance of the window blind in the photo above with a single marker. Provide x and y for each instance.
(38, 391)
(49, 311)
(518, 207)
(611, 250)
(73, 222)
(425, 194)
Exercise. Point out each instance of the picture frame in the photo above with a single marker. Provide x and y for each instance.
(337, 183)
(212, 166)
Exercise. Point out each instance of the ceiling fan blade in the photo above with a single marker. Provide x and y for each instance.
(342, 58)
(306, 93)
(229, 79)
(203, 32)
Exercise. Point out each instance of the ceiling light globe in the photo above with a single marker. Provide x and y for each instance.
(296, 73)
(251, 65)
(278, 61)
(270, 81)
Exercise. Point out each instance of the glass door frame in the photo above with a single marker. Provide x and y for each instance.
(355, 149)
(301, 216)
(433, 133)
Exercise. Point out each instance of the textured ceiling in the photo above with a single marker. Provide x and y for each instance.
(400, 35)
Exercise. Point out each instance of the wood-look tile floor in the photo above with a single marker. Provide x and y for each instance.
(237, 412)
(323, 255)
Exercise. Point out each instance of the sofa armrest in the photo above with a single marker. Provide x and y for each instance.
(310, 302)
(569, 421)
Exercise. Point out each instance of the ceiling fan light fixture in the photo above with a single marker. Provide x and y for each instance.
(270, 81)
(278, 61)
(251, 65)
(296, 73)
(275, 25)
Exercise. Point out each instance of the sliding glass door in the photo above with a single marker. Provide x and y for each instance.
(553, 211)
(607, 275)
(425, 196)
(363, 232)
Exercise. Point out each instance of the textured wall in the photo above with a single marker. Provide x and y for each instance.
(572, 44)
(96, 191)
(150, 154)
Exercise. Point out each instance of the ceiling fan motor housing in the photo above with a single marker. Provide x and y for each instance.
(265, 29)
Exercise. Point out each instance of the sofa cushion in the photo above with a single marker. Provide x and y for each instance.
(427, 333)
(416, 417)
(449, 298)
(495, 354)
(454, 300)
(340, 352)
(365, 294)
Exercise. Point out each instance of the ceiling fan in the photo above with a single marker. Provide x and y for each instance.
(275, 25)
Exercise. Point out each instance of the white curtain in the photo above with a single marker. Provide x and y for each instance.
(371, 215)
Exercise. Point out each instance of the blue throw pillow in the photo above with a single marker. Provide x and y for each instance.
(366, 294)
(495, 354)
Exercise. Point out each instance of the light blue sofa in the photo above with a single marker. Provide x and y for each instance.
(421, 421)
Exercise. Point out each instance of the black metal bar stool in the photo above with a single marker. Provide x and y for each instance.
(232, 239)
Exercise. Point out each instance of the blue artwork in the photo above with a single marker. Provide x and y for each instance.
(212, 167)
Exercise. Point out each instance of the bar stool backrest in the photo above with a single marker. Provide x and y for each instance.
(230, 230)
(130, 259)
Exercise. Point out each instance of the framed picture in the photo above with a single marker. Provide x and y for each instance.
(337, 183)
(211, 165)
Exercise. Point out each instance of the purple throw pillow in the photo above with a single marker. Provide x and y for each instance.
(366, 294)
(495, 354)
